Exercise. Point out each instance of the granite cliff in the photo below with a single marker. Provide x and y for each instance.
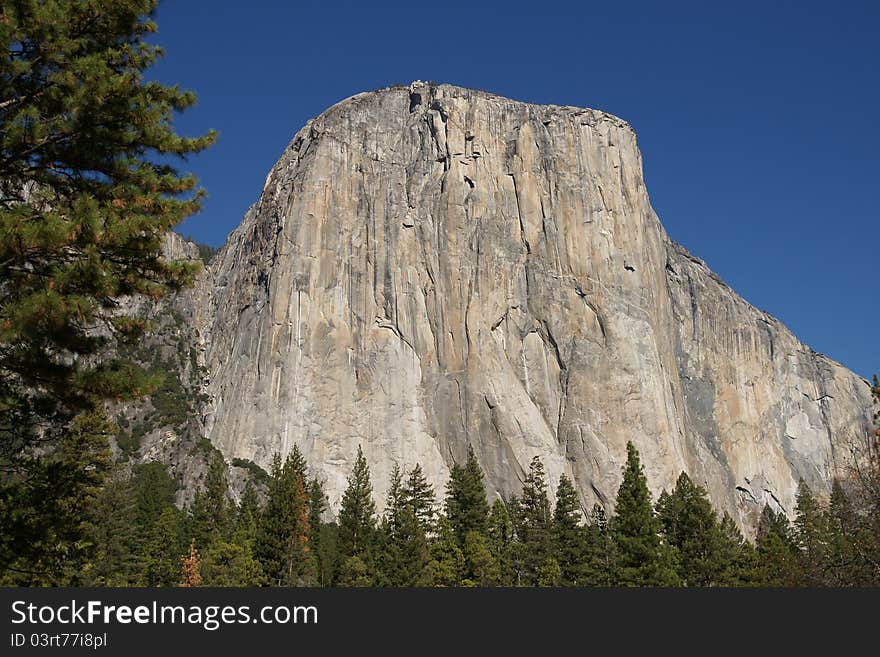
(430, 268)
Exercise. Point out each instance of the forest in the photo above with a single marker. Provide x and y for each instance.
(132, 534)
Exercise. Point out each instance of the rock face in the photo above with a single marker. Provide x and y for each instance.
(431, 268)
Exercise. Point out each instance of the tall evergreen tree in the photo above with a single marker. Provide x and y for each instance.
(403, 547)
(691, 525)
(88, 189)
(247, 515)
(599, 558)
(357, 518)
(446, 564)
(154, 491)
(211, 512)
(419, 494)
(231, 563)
(395, 500)
(810, 536)
(500, 536)
(777, 563)
(533, 526)
(466, 505)
(848, 540)
(568, 534)
(738, 556)
(160, 562)
(480, 566)
(317, 506)
(282, 542)
(111, 522)
(642, 558)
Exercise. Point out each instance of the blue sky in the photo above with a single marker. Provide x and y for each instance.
(758, 122)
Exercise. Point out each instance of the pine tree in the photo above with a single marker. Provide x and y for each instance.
(690, 524)
(599, 558)
(500, 535)
(447, 560)
(403, 546)
(642, 559)
(533, 525)
(777, 562)
(406, 554)
(395, 500)
(230, 563)
(248, 514)
(549, 574)
(317, 506)
(357, 518)
(811, 536)
(848, 539)
(737, 556)
(327, 553)
(480, 564)
(282, 540)
(211, 513)
(50, 508)
(88, 189)
(160, 560)
(154, 491)
(419, 494)
(568, 535)
(112, 530)
(466, 506)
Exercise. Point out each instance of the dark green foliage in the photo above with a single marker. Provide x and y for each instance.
(600, 559)
(419, 495)
(248, 513)
(117, 539)
(154, 491)
(737, 555)
(211, 513)
(641, 556)
(466, 506)
(691, 525)
(446, 564)
(88, 189)
(282, 540)
(206, 251)
(357, 524)
(170, 398)
(480, 564)
(777, 551)
(533, 528)
(810, 534)
(45, 519)
(849, 549)
(500, 535)
(134, 535)
(327, 554)
(568, 534)
(402, 548)
(258, 475)
(231, 563)
(165, 543)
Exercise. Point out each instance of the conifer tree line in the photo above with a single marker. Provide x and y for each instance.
(281, 535)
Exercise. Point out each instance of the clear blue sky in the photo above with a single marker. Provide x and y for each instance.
(758, 122)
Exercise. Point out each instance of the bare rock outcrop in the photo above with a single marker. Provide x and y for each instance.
(434, 267)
